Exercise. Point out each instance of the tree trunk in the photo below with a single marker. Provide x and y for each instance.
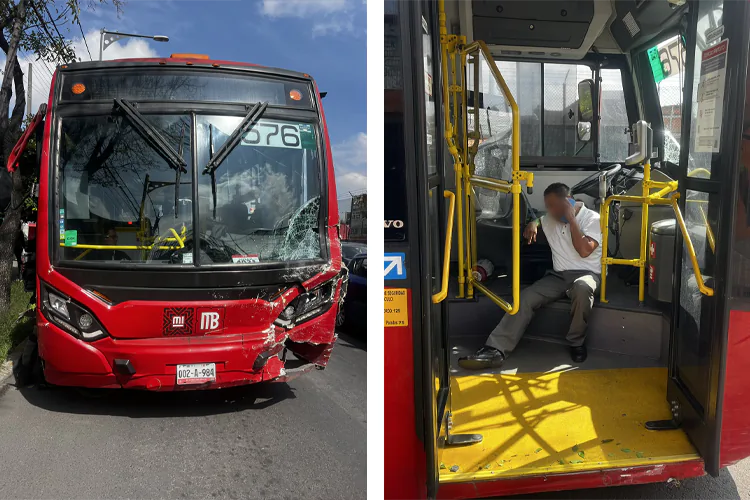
(10, 129)
(9, 231)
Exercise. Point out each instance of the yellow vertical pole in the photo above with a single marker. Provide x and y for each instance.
(469, 216)
(472, 154)
(604, 223)
(644, 231)
(450, 137)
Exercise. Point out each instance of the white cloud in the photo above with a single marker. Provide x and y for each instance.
(333, 26)
(328, 17)
(350, 164)
(301, 8)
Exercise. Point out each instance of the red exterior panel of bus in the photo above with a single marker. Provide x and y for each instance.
(248, 328)
(735, 434)
(596, 479)
(405, 459)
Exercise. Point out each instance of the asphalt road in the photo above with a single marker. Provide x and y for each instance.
(732, 483)
(305, 439)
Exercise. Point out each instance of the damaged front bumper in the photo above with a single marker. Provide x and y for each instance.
(151, 363)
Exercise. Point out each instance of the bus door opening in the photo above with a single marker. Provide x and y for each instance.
(581, 123)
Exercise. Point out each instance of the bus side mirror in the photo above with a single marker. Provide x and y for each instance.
(585, 109)
(586, 100)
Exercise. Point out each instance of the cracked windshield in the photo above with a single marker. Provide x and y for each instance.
(122, 201)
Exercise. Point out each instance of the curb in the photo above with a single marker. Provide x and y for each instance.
(6, 369)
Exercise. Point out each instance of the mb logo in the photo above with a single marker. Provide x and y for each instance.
(209, 321)
(186, 321)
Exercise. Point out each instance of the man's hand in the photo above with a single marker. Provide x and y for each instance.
(529, 234)
(570, 213)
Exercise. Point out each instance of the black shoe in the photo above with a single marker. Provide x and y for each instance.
(485, 358)
(578, 353)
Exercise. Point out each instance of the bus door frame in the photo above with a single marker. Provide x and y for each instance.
(427, 320)
(700, 415)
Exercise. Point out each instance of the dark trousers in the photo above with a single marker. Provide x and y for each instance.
(580, 286)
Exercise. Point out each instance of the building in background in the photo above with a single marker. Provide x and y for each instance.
(354, 218)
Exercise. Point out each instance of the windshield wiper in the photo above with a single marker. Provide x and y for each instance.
(213, 176)
(234, 138)
(151, 135)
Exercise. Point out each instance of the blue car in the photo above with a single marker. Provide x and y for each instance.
(353, 313)
(350, 249)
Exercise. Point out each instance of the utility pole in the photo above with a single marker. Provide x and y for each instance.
(28, 89)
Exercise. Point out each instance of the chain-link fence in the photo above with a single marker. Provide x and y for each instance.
(353, 216)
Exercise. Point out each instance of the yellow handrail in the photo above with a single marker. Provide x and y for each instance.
(641, 262)
(705, 290)
(514, 186)
(646, 199)
(455, 53)
(180, 243)
(709, 232)
(121, 247)
(440, 296)
(697, 171)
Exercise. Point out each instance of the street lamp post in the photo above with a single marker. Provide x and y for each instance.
(111, 37)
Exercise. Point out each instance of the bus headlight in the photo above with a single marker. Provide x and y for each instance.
(58, 305)
(70, 316)
(309, 305)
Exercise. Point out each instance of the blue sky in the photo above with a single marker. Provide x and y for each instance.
(325, 38)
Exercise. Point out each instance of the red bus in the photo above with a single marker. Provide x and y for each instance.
(188, 226)
(642, 108)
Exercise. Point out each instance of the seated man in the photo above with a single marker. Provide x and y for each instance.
(574, 235)
(110, 239)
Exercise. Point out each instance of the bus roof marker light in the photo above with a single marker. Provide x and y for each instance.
(78, 88)
(188, 56)
(295, 95)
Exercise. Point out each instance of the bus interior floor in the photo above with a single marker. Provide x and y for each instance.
(534, 355)
(563, 419)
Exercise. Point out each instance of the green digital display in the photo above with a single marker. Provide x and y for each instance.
(656, 65)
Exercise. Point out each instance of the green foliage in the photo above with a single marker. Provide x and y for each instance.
(49, 27)
(13, 331)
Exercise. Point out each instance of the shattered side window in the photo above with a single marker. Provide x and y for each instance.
(262, 203)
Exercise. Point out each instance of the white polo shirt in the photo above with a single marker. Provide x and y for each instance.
(564, 255)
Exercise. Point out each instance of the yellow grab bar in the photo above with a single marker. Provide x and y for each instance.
(699, 171)
(513, 187)
(705, 290)
(489, 183)
(120, 247)
(709, 232)
(440, 296)
(176, 238)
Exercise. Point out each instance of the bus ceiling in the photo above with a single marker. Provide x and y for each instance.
(564, 30)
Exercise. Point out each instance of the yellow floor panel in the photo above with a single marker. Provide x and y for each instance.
(556, 422)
